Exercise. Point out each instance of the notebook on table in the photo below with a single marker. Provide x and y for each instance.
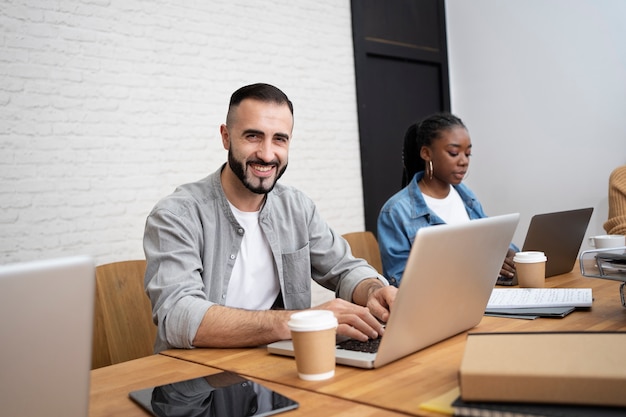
(559, 235)
(444, 290)
(46, 321)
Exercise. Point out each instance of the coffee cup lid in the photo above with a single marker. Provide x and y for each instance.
(311, 320)
(529, 257)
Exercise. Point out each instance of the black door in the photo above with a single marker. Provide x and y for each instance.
(401, 76)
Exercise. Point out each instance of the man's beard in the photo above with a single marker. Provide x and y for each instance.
(239, 170)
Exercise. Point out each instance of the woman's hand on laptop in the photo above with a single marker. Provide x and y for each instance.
(508, 267)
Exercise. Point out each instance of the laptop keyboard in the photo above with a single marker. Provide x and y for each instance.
(371, 346)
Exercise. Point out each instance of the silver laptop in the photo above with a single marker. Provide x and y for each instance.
(446, 285)
(46, 321)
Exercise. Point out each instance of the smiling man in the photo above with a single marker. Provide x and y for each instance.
(232, 256)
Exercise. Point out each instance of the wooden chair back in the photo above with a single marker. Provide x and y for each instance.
(123, 327)
(364, 245)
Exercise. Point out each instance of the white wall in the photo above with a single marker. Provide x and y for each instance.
(541, 86)
(106, 106)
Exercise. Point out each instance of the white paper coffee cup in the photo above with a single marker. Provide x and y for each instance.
(313, 334)
(530, 268)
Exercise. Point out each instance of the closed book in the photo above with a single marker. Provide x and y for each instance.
(586, 368)
(493, 409)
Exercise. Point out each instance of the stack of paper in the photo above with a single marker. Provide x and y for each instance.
(530, 303)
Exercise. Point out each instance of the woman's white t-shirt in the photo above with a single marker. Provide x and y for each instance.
(451, 208)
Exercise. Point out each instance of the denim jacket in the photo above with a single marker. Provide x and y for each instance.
(400, 218)
(192, 239)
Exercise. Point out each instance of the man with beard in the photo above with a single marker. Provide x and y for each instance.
(231, 257)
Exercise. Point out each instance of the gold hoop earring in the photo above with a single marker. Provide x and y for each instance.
(430, 170)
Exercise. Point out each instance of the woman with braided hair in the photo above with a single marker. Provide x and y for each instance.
(436, 156)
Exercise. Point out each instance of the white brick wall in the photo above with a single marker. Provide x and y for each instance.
(106, 106)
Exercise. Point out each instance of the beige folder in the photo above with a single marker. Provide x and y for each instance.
(568, 368)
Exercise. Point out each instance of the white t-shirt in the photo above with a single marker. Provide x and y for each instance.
(254, 282)
(451, 208)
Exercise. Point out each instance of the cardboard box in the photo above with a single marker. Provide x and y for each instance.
(561, 368)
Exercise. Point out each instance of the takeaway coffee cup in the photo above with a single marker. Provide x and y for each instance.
(531, 269)
(313, 334)
(607, 241)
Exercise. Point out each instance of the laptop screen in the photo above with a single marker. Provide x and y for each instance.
(46, 321)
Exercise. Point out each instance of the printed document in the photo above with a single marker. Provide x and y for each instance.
(540, 297)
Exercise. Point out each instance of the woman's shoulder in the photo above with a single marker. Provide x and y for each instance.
(618, 174)
(399, 200)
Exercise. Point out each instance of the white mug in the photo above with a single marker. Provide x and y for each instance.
(607, 241)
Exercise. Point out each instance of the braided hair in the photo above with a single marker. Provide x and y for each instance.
(423, 133)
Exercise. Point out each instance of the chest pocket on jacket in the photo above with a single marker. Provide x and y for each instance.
(297, 276)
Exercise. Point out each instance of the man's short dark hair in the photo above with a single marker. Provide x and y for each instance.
(261, 92)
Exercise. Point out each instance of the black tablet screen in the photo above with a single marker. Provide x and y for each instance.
(225, 394)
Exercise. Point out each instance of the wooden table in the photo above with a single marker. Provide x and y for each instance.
(110, 387)
(403, 385)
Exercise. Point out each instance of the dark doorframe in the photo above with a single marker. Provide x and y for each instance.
(401, 64)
